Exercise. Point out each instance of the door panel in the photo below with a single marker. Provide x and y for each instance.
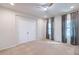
(26, 29)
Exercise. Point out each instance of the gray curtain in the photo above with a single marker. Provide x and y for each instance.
(64, 19)
(75, 28)
(47, 35)
(52, 29)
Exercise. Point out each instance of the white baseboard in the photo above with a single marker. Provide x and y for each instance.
(12, 46)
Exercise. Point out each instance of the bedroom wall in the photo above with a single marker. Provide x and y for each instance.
(41, 29)
(14, 30)
(58, 28)
(7, 28)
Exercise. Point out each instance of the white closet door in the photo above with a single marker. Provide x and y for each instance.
(26, 29)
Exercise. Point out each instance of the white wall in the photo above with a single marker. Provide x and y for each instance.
(13, 30)
(7, 28)
(41, 29)
(58, 28)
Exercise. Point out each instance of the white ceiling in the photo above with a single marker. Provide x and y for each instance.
(32, 9)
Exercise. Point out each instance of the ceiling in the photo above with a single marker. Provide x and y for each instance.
(33, 9)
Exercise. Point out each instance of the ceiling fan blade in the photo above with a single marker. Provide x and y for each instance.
(45, 5)
(50, 4)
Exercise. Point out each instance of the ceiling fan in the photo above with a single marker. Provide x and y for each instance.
(44, 6)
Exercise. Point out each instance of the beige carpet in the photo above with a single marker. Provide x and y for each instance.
(40, 47)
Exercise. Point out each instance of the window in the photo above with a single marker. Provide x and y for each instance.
(49, 28)
(68, 29)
